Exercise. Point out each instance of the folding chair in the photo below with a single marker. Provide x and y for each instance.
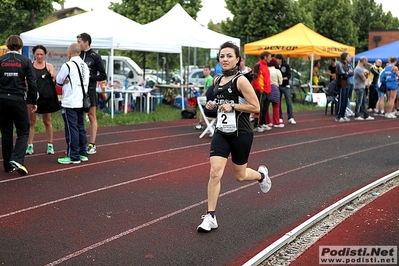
(209, 121)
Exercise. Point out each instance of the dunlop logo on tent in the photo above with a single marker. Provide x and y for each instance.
(335, 49)
(278, 48)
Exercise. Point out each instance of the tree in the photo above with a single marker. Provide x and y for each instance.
(369, 16)
(17, 16)
(258, 19)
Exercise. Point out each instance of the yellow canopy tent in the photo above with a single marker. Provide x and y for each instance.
(299, 41)
(3, 49)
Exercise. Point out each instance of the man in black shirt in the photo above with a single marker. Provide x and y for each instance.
(285, 88)
(97, 73)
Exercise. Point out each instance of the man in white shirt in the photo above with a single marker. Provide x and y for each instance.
(70, 77)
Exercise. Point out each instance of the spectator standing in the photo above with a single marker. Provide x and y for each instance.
(15, 70)
(390, 76)
(261, 84)
(218, 67)
(360, 82)
(72, 102)
(331, 69)
(276, 79)
(285, 88)
(208, 78)
(245, 70)
(235, 100)
(374, 95)
(97, 73)
(207, 83)
(47, 102)
(342, 77)
(316, 77)
(349, 111)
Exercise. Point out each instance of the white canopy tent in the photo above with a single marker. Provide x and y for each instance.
(108, 30)
(191, 33)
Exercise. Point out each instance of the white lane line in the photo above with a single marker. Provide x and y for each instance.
(102, 162)
(191, 146)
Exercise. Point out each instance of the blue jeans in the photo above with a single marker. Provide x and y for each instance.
(361, 103)
(75, 132)
(287, 94)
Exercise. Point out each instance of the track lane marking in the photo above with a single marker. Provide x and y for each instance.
(134, 229)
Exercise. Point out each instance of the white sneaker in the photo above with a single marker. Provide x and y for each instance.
(260, 129)
(281, 121)
(340, 120)
(266, 127)
(359, 118)
(208, 223)
(292, 121)
(281, 125)
(369, 118)
(389, 115)
(266, 183)
(347, 119)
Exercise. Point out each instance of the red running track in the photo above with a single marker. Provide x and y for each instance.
(375, 225)
(139, 200)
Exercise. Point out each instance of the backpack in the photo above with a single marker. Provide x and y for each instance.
(381, 85)
(188, 114)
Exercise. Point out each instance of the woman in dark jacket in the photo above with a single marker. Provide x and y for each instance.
(15, 69)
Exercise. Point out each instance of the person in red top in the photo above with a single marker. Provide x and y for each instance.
(261, 84)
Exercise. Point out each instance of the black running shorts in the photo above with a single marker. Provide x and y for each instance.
(239, 146)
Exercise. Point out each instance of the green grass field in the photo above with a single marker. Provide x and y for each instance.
(163, 112)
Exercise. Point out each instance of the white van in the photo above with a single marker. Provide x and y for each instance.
(124, 67)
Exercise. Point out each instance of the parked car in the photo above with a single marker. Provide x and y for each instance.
(197, 76)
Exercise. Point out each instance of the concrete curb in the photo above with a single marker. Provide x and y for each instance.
(291, 235)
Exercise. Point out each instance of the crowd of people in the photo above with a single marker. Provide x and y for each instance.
(270, 79)
(29, 88)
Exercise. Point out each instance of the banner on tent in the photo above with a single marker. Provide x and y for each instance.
(55, 56)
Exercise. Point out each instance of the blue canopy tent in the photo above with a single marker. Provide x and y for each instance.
(382, 52)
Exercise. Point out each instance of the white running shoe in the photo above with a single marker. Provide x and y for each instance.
(281, 125)
(389, 115)
(292, 121)
(260, 129)
(359, 118)
(266, 184)
(369, 118)
(208, 223)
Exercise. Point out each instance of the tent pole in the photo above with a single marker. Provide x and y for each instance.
(181, 77)
(111, 68)
(311, 73)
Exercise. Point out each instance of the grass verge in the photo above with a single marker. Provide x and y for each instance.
(162, 112)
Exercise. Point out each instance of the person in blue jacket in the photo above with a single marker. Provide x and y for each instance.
(390, 77)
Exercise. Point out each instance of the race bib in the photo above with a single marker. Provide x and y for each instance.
(226, 122)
